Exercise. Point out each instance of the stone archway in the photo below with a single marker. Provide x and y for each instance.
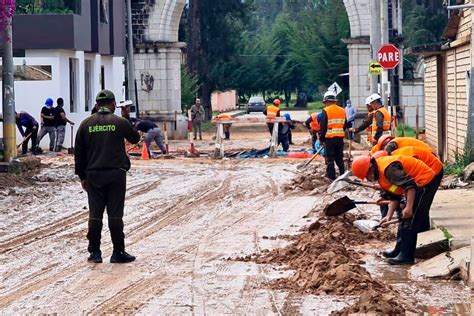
(158, 60)
(158, 55)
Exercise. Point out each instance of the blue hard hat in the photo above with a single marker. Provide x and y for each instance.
(288, 117)
(49, 102)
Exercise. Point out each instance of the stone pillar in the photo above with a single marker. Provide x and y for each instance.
(359, 80)
(158, 74)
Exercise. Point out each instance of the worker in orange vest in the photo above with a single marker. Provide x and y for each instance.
(312, 124)
(272, 111)
(401, 176)
(226, 126)
(390, 143)
(333, 124)
(379, 120)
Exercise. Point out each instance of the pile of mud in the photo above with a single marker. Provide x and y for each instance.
(312, 178)
(325, 263)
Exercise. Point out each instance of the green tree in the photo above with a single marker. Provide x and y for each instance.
(189, 88)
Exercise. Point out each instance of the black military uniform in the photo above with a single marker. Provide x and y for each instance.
(102, 163)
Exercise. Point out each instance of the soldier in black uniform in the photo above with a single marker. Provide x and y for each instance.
(102, 164)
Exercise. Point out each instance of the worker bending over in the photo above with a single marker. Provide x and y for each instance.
(312, 124)
(390, 143)
(284, 130)
(152, 133)
(226, 126)
(401, 176)
(333, 124)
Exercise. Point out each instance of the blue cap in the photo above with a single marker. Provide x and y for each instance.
(288, 117)
(49, 102)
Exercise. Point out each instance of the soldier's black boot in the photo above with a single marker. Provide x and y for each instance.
(121, 257)
(407, 248)
(95, 257)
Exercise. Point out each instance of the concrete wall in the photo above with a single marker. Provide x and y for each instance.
(31, 95)
(224, 101)
(412, 94)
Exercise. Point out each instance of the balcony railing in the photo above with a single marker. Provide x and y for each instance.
(48, 7)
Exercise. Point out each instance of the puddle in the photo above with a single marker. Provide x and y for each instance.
(431, 295)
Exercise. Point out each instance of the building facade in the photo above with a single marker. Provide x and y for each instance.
(72, 55)
(448, 71)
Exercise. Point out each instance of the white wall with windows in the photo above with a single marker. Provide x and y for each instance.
(75, 76)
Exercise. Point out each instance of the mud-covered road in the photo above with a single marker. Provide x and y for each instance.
(183, 221)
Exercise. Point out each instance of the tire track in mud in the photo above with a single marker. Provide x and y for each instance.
(62, 225)
(146, 230)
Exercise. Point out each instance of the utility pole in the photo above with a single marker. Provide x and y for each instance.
(130, 59)
(8, 91)
(374, 38)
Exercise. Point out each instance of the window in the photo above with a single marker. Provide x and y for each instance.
(73, 83)
(32, 72)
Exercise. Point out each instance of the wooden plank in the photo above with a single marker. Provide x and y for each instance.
(442, 265)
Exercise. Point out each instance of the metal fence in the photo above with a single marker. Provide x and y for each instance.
(48, 7)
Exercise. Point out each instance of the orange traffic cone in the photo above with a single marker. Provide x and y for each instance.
(145, 155)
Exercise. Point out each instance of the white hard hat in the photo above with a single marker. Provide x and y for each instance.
(373, 98)
(367, 101)
(329, 96)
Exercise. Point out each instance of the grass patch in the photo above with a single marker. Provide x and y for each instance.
(446, 233)
(461, 160)
(316, 106)
(405, 132)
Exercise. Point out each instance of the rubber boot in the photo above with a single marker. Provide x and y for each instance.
(392, 253)
(407, 248)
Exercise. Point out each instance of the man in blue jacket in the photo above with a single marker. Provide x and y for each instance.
(25, 120)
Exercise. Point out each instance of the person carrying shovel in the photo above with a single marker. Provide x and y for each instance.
(401, 176)
(24, 119)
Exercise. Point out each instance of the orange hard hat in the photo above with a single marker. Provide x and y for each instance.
(380, 153)
(361, 166)
(276, 102)
(383, 139)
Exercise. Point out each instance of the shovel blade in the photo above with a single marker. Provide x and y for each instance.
(339, 206)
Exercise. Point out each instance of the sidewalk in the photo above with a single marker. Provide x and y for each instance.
(454, 210)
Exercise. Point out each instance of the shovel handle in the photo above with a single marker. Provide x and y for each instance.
(312, 158)
(393, 221)
(365, 185)
(385, 202)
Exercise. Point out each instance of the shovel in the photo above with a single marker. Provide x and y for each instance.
(345, 204)
(25, 139)
(312, 158)
(343, 180)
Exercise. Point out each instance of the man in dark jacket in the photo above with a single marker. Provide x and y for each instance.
(152, 133)
(102, 164)
(25, 120)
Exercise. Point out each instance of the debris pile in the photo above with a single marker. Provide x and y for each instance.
(325, 263)
(310, 179)
(380, 303)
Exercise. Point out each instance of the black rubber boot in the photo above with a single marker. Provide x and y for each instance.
(392, 253)
(121, 257)
(407, 248)
(95, 257)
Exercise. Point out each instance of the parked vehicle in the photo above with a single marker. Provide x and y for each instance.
(256, 104)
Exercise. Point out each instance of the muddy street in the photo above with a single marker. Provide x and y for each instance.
(194, 225)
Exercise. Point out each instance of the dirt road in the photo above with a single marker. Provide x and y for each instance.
(183, 220)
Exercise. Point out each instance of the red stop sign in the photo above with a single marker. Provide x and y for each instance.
(388, 56)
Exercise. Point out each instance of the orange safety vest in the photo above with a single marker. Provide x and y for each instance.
(387, 118)
(426, 156)
(409, 142)
(314, 124)
(224, 116)
(336, 119)
(272, 111)
(369, 129)
(416, 169)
